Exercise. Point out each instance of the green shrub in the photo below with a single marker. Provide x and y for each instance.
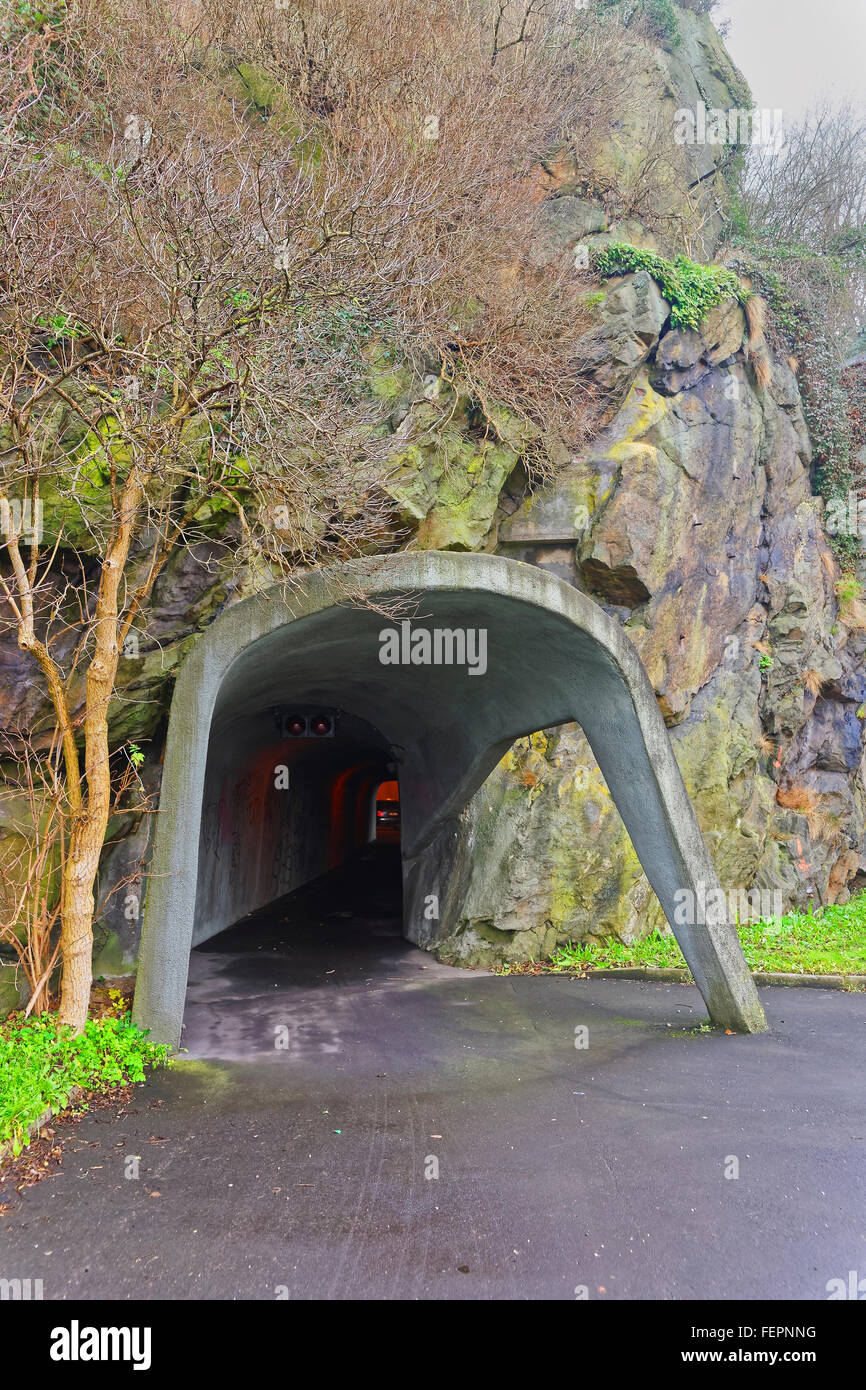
(691, 289)
(42, 1062)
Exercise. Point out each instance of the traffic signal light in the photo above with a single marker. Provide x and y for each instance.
(306, 725)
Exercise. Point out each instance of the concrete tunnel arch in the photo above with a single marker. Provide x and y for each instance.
(553, 656)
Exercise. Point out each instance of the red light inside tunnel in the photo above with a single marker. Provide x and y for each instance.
(295, 726)
(388, 811)
(321, 725)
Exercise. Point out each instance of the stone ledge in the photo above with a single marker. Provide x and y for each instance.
(760, 977)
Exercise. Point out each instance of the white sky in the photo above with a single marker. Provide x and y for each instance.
(795, 51)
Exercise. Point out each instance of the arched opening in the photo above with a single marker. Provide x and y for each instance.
(299, 865)
(250, 809)
(386, 813)
(290, 795)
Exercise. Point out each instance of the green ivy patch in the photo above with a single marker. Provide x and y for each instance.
(690, 288)
(826, 401)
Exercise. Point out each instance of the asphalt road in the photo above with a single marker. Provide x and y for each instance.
(333, 1069)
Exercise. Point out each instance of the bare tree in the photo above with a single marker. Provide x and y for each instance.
(197, 279)
(808, 191)
(811, 186)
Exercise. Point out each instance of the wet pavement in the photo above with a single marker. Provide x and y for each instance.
(333, 1071)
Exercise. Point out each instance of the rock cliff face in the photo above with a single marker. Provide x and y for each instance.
(689, 515)
(691, 518)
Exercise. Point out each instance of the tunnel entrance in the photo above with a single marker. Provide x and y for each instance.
(292, 710)
(292, 792)
(343, 909)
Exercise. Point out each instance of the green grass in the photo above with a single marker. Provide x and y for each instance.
(41, 1063)
(832, 941)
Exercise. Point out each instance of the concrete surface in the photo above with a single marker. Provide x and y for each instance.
(552, 656)
(301, 1172)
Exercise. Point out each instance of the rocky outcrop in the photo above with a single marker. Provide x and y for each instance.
(643, 184)
(689, 516)
(691, 519)
(630, 318)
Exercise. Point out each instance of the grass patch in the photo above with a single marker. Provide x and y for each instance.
(41, 1063)
(831, 941)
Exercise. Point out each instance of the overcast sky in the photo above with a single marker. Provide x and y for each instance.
(794, 51)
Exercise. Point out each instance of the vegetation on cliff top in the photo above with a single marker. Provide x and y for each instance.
(660, 16)
(691, 289)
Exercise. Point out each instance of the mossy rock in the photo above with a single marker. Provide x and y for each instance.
(269, 100)
(17, 832)
(110, 958)
(448, 490)
(13, 988)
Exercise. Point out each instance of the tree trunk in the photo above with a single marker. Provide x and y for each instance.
(91, 823)
(76, 932)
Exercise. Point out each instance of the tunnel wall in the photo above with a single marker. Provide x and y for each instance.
(257, 841)
(260, 838)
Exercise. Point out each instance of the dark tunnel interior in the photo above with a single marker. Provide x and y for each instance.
(306, 801)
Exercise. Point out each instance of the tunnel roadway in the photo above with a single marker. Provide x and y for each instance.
(290, 1154)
